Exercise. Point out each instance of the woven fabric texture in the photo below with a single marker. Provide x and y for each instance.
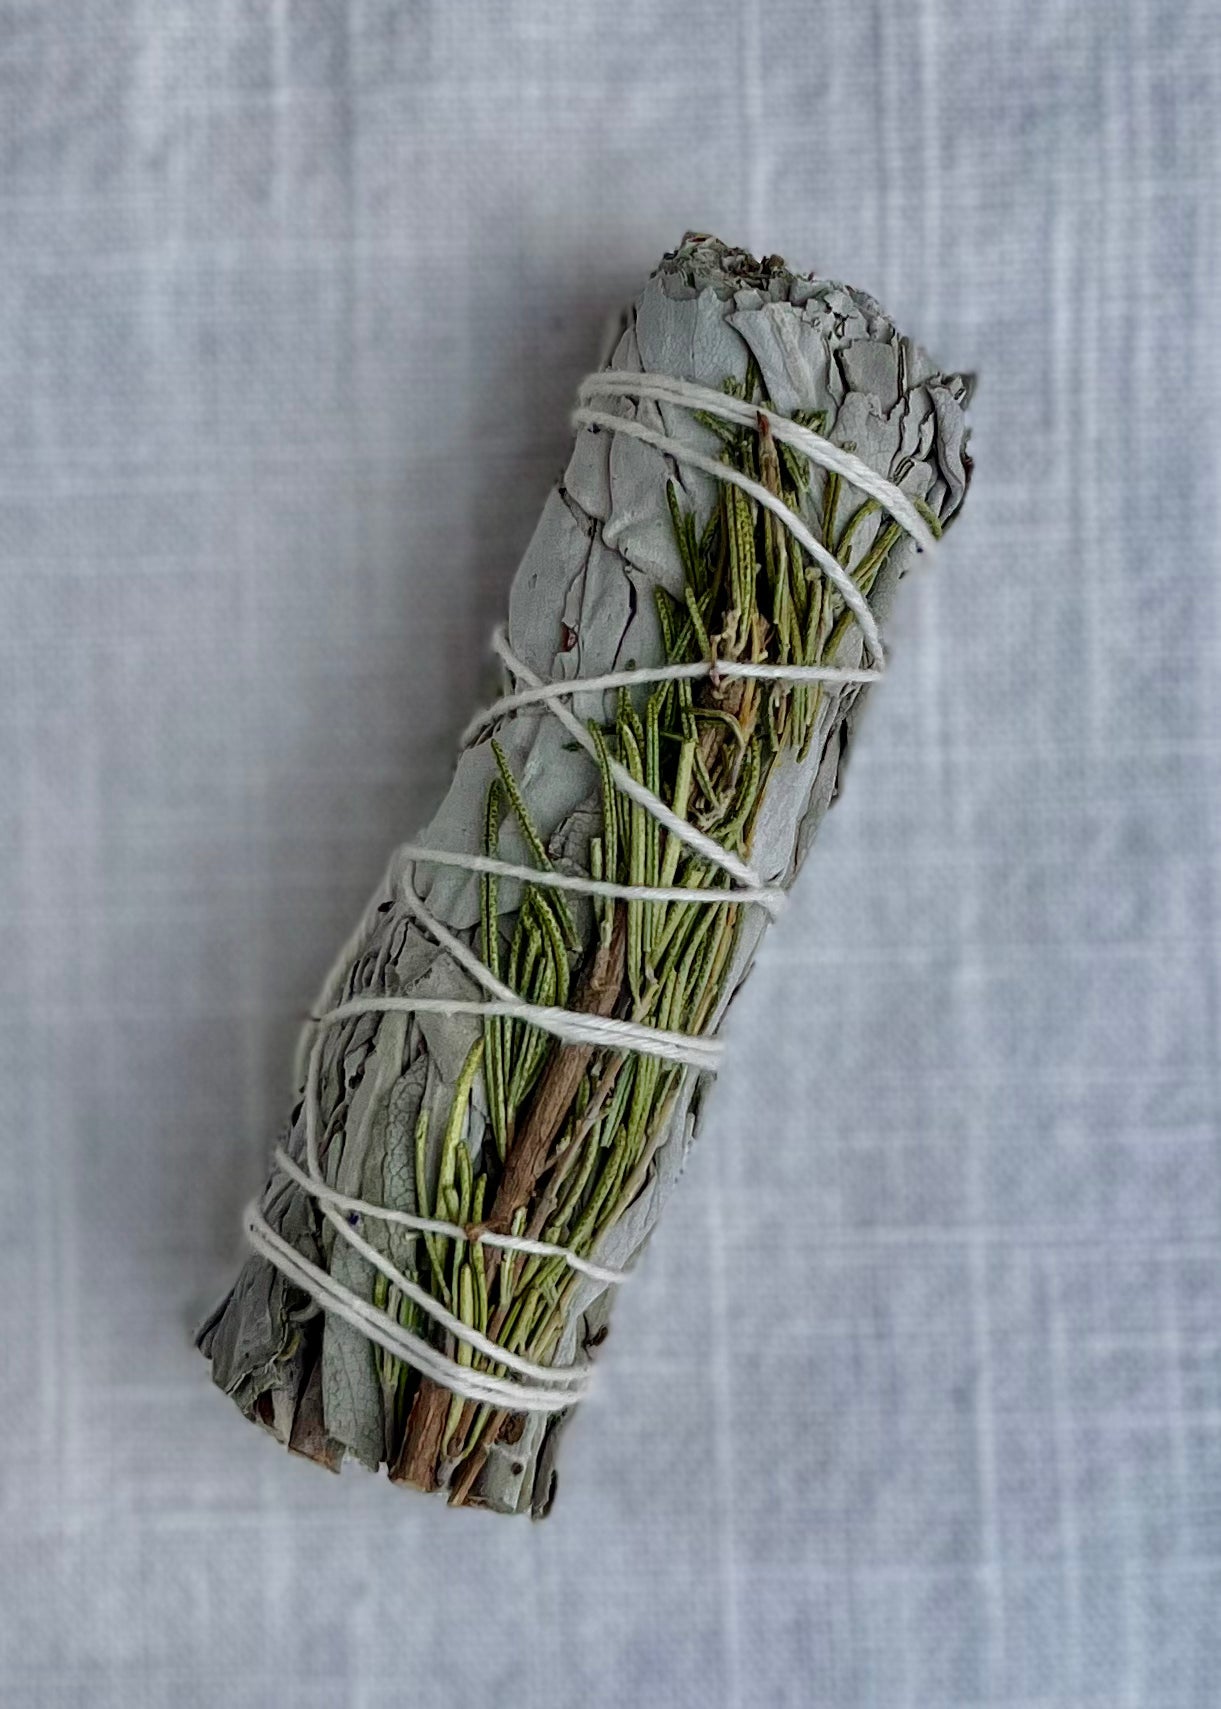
(916, 1401)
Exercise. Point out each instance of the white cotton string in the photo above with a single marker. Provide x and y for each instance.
(588, 886)
(568, 1025)
(666, 388)
(339, 968)
(685, 832)
(576, 1376)
(416, 1225)
(386, 1332)
(550, 1388)
(831, 567)
(722, 669)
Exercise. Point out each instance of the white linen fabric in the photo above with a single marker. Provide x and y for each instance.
(915, 1402)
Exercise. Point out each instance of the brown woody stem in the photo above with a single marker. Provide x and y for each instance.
(528, 1159)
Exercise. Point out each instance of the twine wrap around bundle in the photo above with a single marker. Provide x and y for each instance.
(510, 1059)
(538, 1387)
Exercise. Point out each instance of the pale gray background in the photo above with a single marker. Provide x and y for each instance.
(917, 1400)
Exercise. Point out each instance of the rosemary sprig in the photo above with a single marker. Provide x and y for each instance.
(709, 754)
